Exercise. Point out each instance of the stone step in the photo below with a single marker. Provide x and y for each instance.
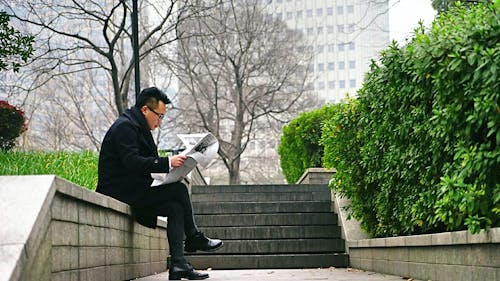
(266, 219)
(300, 188)
(266, 232)
(268, 226)
(313, 260)
(261, 207)
(261, 196)
(280, 246)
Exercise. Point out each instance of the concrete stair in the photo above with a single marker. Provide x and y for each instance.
(268, 226)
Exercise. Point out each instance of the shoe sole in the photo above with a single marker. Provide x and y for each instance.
(208, 250)
(184, 277)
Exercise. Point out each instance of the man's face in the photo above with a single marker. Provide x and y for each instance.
(154, 115)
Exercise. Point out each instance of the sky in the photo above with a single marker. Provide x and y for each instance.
(404, 16)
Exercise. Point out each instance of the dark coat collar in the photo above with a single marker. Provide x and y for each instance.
(135, 115)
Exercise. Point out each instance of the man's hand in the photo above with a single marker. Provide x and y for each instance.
(177, 160)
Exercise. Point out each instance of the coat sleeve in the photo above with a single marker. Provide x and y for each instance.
(128, 146)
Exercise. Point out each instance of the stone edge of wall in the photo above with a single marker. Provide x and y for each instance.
(351, 228)
(436, 239)
(28, 264)
(70, 189)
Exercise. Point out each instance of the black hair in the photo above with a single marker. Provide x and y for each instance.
(151, 96)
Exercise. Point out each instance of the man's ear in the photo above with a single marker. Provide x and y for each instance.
(144, 108)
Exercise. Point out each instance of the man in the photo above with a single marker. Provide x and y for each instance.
(127, 158)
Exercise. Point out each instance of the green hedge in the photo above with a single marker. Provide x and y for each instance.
(77, 167)
(299, 147)
(418, 152)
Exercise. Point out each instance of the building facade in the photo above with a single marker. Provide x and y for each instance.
(345, 34)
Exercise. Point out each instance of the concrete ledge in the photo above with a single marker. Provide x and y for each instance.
(316, 176)
(351, 228)
(449, 256)
(55, 230)
(438, 239)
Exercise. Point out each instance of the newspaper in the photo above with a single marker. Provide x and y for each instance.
(201, 149)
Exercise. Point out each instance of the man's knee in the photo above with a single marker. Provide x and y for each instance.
(179, 188)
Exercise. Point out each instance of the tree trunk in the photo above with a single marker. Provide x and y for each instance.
(234, 172)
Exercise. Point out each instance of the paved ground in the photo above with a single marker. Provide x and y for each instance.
(337, 274)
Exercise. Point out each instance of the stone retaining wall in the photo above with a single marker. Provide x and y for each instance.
(449, 256)
(453, 256)
(55, 230)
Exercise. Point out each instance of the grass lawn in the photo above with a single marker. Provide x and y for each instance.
(77, 167)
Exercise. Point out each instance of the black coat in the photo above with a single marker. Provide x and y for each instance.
(127, 158)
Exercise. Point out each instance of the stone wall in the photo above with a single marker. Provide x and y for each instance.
(316, 176)
(448, 256)
(55, 230)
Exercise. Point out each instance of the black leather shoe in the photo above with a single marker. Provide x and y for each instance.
(184, 270)
(199, 242)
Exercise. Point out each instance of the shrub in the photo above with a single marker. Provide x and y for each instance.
(14, 46)
(299, 147)
(418, 152)
(12, 124)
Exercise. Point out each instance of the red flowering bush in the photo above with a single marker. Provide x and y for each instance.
(12, 124)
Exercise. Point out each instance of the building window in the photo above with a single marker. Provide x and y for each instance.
(320, 48)
(319, 12)
(331, 66)
(340, 46)
(310, 31)
(321, 66)
(299, 14)
(279, 16)
(342, 84)
(320, 30)
(329, 11)
(331, 84)
(289, 15)
(340, 10)
(341, 65)
(350, 9)
(309, 13)
(351, 46)
(350, 28)
(352, 64)
(310, 67)
(331, 48)
(329, 28)
(352, 83)
(321, 85)
(340, 28)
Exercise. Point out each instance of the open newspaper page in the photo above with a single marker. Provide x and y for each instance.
(201, 149)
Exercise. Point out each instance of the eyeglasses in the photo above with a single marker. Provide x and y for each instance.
(160, 116)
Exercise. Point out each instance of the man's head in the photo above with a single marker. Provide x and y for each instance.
(152, 103)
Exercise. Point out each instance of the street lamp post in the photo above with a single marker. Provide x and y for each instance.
(135, 47)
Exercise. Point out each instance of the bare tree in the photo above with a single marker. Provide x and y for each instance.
(238, 68)
(75, 36)
(83, 63)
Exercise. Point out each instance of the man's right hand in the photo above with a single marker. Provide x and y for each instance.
(177, 160)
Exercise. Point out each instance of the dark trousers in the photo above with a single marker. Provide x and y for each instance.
(171, 201)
